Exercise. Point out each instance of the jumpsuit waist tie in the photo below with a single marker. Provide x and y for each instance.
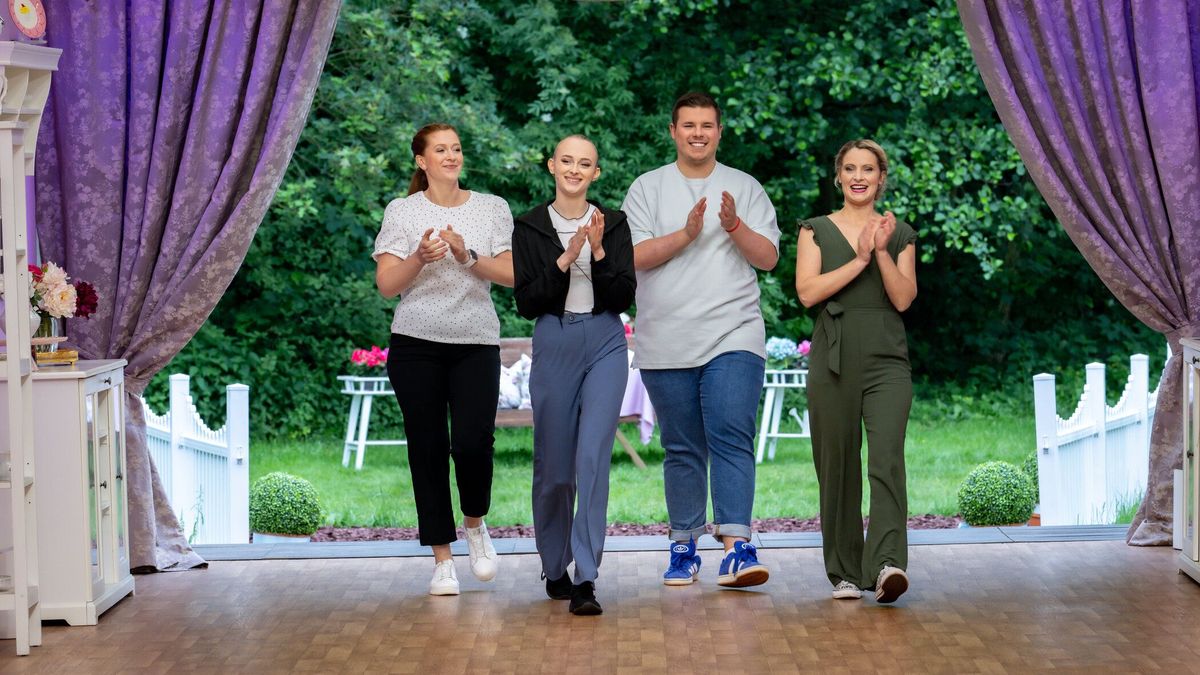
(833, 332)
(831, 319)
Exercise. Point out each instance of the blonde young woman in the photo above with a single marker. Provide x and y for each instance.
(574, 274)
(440, 248)
(858, 267)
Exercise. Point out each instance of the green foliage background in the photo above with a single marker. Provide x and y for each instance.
(1003, 292)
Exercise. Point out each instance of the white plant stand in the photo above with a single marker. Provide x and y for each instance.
(775, 385)
(362, 391)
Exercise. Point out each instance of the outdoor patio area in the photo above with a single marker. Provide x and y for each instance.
(1081, 599)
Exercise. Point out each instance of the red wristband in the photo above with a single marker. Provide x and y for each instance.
(736, 225)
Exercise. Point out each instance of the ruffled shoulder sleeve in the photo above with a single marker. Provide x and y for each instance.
(905, 235)
(809, 224)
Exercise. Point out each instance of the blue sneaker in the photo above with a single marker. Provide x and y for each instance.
(685, 564)
(741, 567)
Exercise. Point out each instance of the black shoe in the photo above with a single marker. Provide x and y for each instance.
(558, 589)
(583, 600)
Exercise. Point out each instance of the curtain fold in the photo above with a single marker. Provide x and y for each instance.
(1100, 100)
(168, 130)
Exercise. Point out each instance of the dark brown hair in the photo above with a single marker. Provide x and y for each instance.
(419, 180)
(862, 144)
(695, 99)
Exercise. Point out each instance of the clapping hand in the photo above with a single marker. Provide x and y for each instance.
(695, 219)
(728, 213)
(431, 250)
(458, 248)
(574, 246)
(866, 239)
(595, 234)
(887, 227)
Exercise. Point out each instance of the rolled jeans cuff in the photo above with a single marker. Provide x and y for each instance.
(688, 535)
(731, 530)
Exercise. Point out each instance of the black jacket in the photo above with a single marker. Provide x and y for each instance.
(541, 288)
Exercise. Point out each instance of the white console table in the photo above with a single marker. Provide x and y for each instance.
(775, 385)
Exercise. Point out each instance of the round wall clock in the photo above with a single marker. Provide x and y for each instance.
(29, 17)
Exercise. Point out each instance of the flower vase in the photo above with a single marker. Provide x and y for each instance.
(48, 327)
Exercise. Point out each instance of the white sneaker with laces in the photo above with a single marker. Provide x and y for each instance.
(445, 581)
(846, 591)
(891, 584)
(483, 555)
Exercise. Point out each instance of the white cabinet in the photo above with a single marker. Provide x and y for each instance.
(1189, 557)
(82, 512)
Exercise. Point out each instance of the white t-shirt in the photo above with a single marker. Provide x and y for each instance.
(703, 302)
(446, 303)
(580, 297)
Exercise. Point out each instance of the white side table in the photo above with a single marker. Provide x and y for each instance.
(362, 390)
(775, 384)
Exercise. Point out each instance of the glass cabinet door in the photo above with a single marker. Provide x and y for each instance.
(95, 546)
(117, 433)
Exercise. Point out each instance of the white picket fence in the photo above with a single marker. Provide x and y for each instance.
(1096, 460)
(206, 473)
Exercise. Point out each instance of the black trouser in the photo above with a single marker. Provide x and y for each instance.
(428, 378)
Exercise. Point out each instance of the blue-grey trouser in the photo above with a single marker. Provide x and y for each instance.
(576, 383)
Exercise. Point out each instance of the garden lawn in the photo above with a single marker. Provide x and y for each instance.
(940, 452)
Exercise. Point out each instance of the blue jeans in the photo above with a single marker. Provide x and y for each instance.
(706, 415)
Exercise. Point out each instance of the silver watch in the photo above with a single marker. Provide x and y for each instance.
(472, 258)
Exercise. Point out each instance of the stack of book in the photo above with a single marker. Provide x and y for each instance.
(60, 357)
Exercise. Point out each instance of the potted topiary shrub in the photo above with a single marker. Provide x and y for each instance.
(283, 508)
(1030, 467)
(996, 493)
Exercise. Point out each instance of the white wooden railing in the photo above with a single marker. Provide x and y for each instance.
(205, 473)
(1096, 460)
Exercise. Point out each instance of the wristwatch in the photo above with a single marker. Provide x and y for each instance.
(472, 258)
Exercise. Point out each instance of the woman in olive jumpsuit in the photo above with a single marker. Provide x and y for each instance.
(858, 268)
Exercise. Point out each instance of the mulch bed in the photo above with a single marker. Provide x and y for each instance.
(925, 522)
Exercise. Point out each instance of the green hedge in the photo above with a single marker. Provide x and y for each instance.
(281, 503)
(996, 493)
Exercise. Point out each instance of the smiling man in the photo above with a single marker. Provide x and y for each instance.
(700, 229)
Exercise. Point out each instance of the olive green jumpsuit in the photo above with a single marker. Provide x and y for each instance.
(859, 375)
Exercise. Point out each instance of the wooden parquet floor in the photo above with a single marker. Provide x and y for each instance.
(979, 608)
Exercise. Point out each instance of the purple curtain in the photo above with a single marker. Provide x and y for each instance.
(1100, 99)
(168, 130)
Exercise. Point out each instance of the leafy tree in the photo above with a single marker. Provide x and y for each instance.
(1003, 291)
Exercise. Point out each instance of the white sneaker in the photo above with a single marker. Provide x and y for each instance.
(445, 581)
(891, 584)
(483, 556)
(846, 591)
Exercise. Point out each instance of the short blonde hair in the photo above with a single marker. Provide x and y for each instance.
(862, 144)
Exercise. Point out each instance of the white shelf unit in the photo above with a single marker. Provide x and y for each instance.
(1189, 556)
(25, 73)
(79, 436)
